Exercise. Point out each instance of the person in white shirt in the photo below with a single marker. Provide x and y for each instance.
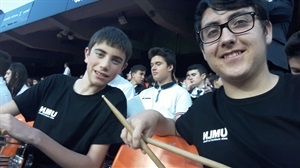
(124, 85)
(5, 61)
(166, 97)
(67, 70)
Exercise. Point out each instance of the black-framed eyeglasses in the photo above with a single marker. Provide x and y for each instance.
(237, 25)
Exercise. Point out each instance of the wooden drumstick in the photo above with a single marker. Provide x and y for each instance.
(3, 132)
(144, 146)
(165, 146)
(186, 154)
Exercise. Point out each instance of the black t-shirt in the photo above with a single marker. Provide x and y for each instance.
(261, 131)
(75, 121)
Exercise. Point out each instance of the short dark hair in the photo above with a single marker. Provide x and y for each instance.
(212, 78)
(201, 68)
(113, 37)
(5, 61)
(219, 5)
(292, 47)
(138, 67)
(168, 55)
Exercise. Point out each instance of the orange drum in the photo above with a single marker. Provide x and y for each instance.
(9, 145)
(128, 157)
(8, 148)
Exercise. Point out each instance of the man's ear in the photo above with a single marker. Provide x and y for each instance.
(170, 67)
(124, 66)
(268, 32)
(86, 54)
(203, 75)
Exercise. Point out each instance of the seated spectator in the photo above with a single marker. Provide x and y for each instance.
(166, 97)
(196, 81)
(280, 14)
(150, 82)
(5, 61)
(292, 50)
(215, 81)
(138, 73)
(16, 79)
(124, 85)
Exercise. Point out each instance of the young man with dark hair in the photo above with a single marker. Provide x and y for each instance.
(254, 119)
(166, 97)
(197, 86)
(292, 50)
(73, 126)
(138, 73)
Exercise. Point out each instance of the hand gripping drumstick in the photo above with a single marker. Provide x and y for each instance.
(130, 129)
(162, 145)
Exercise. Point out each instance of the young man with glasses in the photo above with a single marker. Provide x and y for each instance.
(254, 119)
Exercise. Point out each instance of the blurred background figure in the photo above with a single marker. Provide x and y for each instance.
(124, 85)
(292, 50)
(128, 76)
(5, 61)
(67, 70)
(138, 73)
(215, 81)
(196, 81)
(150, 82)
(16, 79)
(280, 13)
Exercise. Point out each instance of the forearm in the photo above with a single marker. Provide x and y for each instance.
(9, 108)
(61, 155)
(165, 126)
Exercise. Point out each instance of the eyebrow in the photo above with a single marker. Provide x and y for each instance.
(233, 15)
(114, 56)
(99, 49)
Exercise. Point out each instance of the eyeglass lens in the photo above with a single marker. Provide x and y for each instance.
(239, 24)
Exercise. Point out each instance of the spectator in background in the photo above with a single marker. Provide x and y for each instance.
(5, 61)
(215, 81)
(138, 73)
(150, 82)
(196, 81)
(124, 85)
(36, 80)
(67, 70)
(128, 76)
(292, 50)
(16, 79)
(29, 82)
(280, 14)
(166, 97)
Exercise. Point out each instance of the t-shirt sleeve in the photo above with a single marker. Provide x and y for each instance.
(184, 124)
(111, 130)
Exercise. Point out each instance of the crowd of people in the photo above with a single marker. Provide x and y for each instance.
(245, 113)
